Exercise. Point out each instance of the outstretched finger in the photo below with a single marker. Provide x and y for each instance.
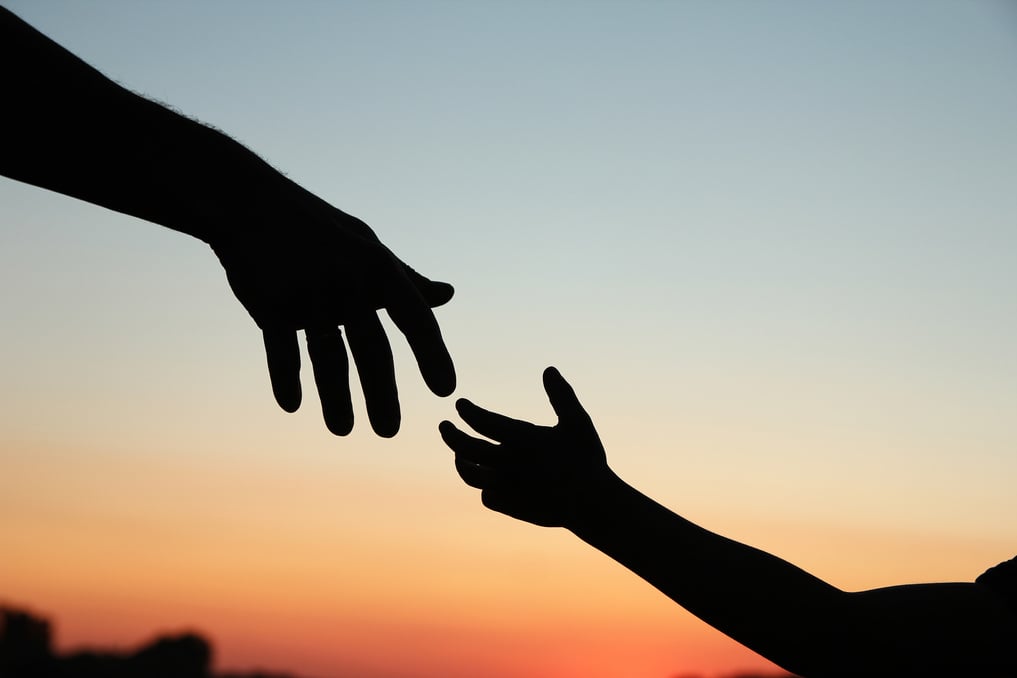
(411, 314)
(493, 425)
(282, 352)
(470, 449)
(332, 377)
(562, 397)
(373, 357)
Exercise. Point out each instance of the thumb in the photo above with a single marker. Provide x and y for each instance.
(563, 398)
(434, 293)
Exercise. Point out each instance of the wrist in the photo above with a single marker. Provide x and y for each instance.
(203, 182)
(592, 499)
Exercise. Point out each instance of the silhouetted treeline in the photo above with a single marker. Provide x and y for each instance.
(738, 675)
(26, 651)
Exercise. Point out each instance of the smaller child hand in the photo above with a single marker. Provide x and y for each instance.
(533, 473)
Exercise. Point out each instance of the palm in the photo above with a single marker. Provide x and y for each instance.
(325, 270)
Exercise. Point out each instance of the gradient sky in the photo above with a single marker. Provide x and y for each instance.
(772, 245)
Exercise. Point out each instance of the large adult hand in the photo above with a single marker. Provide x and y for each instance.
(535, 473)
(313, 267)
(293, 260)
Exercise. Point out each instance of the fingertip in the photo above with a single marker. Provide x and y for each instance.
(282, 355)
(560, 394)
(438, 293)
(440, 375)
(445, 384)
(386, 429)
(383, 409)
(436, 367)
(288, 399)
(448, 431)
(434, 292)
(553, 381)
(339, 425)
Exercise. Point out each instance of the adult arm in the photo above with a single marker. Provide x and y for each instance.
(558, 476)
(293, 260)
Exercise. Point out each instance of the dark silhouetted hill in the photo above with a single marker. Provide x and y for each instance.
(26, 651)
(738, 675)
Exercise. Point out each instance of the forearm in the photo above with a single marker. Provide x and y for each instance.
(68, 128)
(765, 603)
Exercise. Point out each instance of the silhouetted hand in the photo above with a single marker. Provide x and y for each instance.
(293, 260)
(322, 269)
(535, 473)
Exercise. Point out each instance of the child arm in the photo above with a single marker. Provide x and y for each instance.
(558, 476)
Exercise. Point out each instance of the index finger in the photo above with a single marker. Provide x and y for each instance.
(414, 318)
(495, 426)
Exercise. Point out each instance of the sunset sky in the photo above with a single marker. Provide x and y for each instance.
(771, 244)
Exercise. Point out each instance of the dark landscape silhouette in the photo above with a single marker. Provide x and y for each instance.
(26, 651)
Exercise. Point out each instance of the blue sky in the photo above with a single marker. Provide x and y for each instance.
(780, 194)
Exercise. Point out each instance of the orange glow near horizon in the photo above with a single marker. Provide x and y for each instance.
(318, 585)
(436, 647)
(311, 586)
